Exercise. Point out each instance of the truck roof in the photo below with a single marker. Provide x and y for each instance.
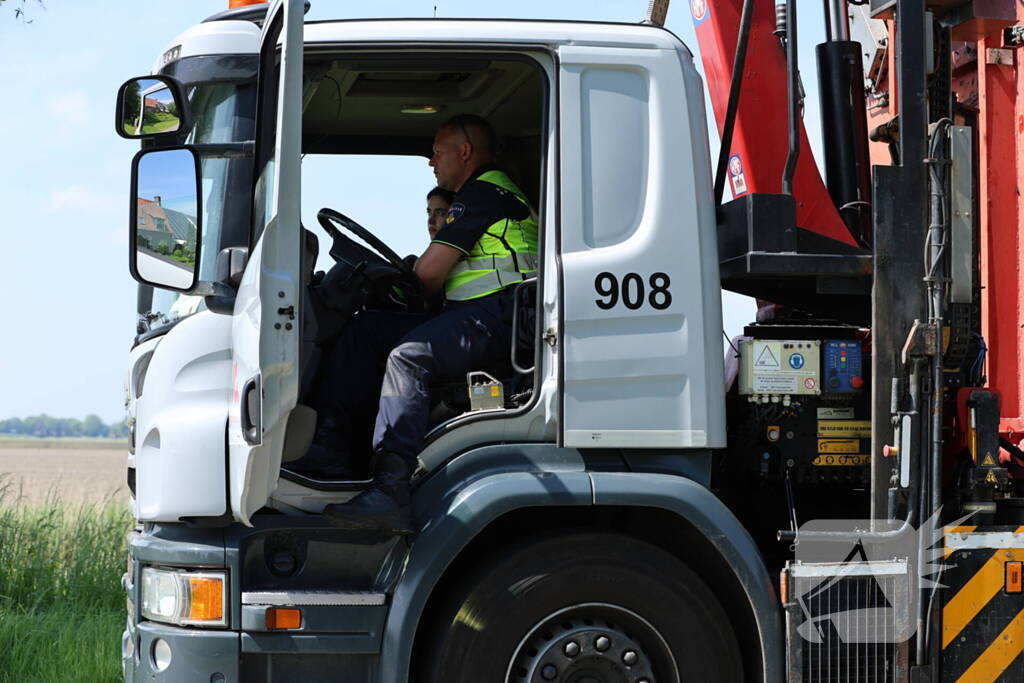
(547, 32)
(242, 37)
(211, 38)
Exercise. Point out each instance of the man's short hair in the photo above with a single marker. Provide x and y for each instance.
(478, 130)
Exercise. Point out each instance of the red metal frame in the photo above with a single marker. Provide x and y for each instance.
(990, 85)
(1001, 177)
(761, 139)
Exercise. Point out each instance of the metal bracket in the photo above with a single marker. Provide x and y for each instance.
(1013, 36)
(657, 10)
(922, 341)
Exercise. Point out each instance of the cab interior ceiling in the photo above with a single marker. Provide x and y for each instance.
(353, 105)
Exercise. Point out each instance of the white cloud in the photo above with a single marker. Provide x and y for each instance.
(72, 107)
(80, 198)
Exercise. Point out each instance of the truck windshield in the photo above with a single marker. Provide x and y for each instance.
(222, 112)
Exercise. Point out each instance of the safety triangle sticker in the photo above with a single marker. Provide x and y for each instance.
(766, 360)
(988, 461)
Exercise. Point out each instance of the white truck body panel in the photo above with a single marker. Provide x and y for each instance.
(212, 38)
(642, 315)
(179, 389)
(412, 32)
(266, 341)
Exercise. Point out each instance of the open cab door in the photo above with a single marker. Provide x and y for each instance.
(265, 330)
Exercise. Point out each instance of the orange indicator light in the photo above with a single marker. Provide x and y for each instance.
(207, 598)
(283, 618)
(1014, 576)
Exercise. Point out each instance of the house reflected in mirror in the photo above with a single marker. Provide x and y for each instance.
(166, 227)
(149, 107)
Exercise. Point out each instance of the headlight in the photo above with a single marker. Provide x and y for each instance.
(178, 596)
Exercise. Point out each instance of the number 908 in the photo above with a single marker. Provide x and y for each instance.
(632, 291)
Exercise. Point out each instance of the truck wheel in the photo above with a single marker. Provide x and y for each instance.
(581, 608)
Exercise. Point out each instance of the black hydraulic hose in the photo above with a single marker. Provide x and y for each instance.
(793, 72)
(922, 603)
(935, 278)
(735, 86)
(1015, 452)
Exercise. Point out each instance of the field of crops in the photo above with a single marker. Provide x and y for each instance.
(62, 533)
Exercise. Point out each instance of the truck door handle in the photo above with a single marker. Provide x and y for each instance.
(251, 409)
(520, 288)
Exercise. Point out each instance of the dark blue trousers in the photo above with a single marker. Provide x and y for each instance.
(387, 362)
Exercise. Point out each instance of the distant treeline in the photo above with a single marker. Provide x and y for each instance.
(45, 425)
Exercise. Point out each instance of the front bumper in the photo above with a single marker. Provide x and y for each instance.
(196, 656)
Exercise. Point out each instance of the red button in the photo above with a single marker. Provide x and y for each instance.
(856, 382)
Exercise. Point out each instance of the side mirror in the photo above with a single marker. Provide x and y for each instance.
(151, 106)
(166, 212)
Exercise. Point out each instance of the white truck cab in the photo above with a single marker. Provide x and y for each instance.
(614, 396)
(593, 122)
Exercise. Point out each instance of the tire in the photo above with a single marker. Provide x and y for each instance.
(537, 614)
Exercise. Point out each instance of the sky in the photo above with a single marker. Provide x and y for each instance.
(68, 299)
(170, 176)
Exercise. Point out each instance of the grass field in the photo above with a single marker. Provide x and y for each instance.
(61, 604)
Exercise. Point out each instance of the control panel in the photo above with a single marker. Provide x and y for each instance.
(842, 367)
(770, 369)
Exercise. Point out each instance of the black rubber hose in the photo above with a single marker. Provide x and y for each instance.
(735, 86)
(1014, 450)
(793, 69)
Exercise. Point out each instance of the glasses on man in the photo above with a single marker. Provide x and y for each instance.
(457, 119)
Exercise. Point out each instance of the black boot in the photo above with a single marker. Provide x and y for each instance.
(385, 507)
(329, 456)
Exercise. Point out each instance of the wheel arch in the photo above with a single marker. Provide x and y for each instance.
(670, 512)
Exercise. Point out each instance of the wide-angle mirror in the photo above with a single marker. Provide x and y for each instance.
(165, 218)
(150, 106)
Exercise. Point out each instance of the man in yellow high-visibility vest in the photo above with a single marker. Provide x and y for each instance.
(487, 244)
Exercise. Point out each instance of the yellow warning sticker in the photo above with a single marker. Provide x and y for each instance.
(988, 461)
(495, 390)
(838, 446)
(853, 429)
(842, 459)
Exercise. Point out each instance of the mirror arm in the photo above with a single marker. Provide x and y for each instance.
(230, 267)
(225, 305)
(220, 297)
(226, 150)
(212, 289)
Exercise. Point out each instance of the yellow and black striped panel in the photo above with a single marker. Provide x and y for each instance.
(982, 625)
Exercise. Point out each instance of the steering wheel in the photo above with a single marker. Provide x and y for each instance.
(328, 217)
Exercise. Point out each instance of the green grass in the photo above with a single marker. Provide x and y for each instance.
(61, 604)
(58, 646)
(160, 126)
